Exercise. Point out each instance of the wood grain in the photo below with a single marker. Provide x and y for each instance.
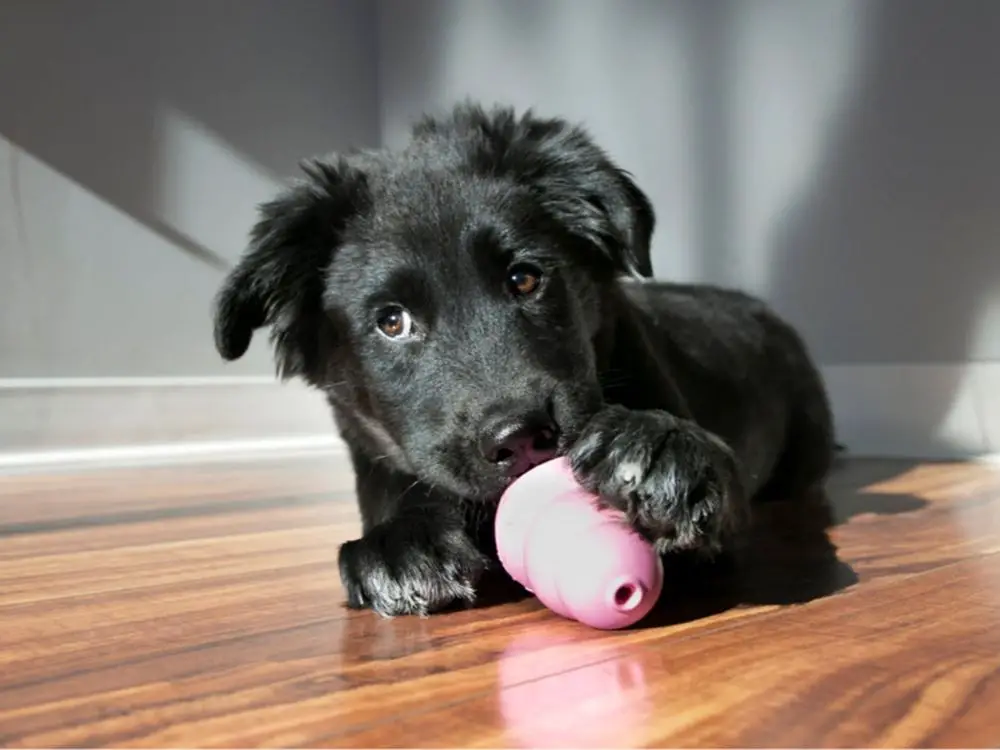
(200, 607)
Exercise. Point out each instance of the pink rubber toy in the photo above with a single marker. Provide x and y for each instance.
(582, 562)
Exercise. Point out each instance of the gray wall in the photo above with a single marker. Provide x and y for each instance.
(840, 158)
(135, 140)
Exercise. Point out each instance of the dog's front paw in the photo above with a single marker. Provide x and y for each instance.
(676, 483)
(403, 569)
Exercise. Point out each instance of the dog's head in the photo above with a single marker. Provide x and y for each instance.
(447, 296)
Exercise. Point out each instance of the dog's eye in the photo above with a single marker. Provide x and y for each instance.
(523, 279)
(395, 323)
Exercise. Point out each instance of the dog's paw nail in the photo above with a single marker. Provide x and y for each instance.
(629, 472)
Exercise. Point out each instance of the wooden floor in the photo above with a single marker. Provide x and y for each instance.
(193, 607)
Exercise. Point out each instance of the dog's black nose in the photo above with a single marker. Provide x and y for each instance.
(519, 443)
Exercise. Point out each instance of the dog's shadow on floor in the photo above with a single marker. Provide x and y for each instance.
(787, 558)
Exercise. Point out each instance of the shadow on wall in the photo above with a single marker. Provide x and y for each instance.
(838, 157)
(891, 253)
(93, 88)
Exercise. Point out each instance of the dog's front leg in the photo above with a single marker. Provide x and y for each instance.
(417, 562)
(677, 483)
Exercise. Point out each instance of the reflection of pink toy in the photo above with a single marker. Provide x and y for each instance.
(581, 562)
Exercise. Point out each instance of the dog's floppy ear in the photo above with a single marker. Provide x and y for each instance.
(573, 178)
(279, 280)
(633, 217)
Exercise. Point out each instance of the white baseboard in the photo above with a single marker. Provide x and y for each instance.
(935, 411)
(914, 411)
(74, 414)
(166, 454)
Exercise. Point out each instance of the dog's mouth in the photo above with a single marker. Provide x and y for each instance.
(502, 481)
(484, 475)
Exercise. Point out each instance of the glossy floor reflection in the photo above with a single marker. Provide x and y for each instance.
(200, 606)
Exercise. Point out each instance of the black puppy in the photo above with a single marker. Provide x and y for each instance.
(465, 306)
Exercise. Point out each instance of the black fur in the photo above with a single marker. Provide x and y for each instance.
(679, 403)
